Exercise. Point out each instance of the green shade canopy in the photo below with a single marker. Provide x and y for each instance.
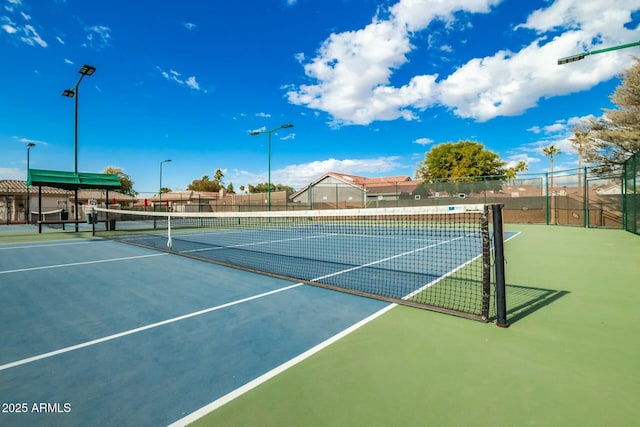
(73, 181)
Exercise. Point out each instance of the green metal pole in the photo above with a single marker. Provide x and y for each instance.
(269, 175)
(584, 198)
(579, 56)
(546, 183)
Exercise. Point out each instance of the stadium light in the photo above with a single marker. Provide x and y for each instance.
(27, 211)
(269, 132)
(579, 56)
(86, 70)
(160, 192)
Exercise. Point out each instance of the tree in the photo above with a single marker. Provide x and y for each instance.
(512, 172)
(452, 167)
(460, 161)
(551, 151)
(580, 142)
(165, 190)
(262, 188)
(230, 189)
(205, 184)
(616, 136)
(125, 180)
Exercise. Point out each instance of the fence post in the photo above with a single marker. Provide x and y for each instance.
(546, 199)
(585, 189)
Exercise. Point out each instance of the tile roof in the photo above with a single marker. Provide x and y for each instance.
(15, 186)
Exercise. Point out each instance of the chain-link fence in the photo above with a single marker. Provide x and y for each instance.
(577, 197)
(631, 193)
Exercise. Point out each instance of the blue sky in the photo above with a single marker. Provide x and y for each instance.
(370, 86)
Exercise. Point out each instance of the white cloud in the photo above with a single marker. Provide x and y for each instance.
(558, 134)
(68, 61)
(12, 173)
(263, 115)
(192, 83)
(352, 71)
(174, 76)
(26, 32)
(9, 29)
(31, 36)
(302, 174)
(189, 26)
(423, 141)
(98, 36)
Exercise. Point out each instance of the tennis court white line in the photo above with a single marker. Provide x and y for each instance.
(73, 264)
(240, 245)
(140, 329)
(199, 413)
(47, 245)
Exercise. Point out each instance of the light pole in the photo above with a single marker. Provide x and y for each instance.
(579, 56)
(160, 192)
(27, 211)
(269, 132)
(86, 70)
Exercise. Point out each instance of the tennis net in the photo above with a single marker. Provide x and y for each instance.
(435, 257)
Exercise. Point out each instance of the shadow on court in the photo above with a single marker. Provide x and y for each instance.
(525, 300)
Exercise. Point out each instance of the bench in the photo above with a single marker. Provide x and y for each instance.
(63, 222)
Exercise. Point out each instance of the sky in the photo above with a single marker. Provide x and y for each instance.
(370, 86)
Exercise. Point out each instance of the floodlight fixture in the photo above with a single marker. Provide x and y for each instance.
(579, 56)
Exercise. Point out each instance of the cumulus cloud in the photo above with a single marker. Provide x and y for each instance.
(351, 73)
(302, 174)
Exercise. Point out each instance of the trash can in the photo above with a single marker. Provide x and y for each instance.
(64, 215)
(112, 224)
(89, 218)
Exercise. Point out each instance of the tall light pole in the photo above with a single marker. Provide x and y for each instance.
(86, 70)
(269, 132)
(160, 192)
(27, 211)
(579, 56)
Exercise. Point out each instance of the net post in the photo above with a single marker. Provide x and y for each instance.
(486, 264)
(498, 247)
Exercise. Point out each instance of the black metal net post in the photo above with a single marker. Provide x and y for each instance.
(498, 247)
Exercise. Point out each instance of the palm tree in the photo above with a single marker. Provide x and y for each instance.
(551, 151)
(512, 172)
(579, 141)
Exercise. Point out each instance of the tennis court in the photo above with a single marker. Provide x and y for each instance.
(106, 333)
(101, 333)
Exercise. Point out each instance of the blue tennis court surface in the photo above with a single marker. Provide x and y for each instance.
(101, 333)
